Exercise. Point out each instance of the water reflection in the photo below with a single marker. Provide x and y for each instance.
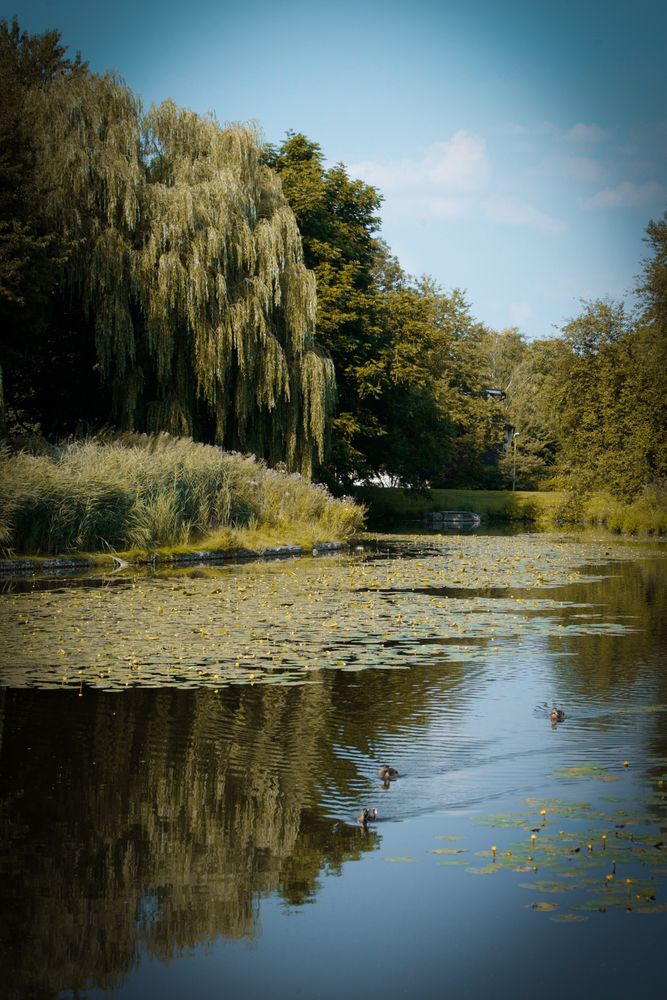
(144, 823)
(155, 821)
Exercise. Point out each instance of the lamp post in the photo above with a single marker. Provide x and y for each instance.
(515, 436)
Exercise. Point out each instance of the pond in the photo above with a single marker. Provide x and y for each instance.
(184, 755)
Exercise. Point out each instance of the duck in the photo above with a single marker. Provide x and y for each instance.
(367, 814)
(557, 715)
(387, 774)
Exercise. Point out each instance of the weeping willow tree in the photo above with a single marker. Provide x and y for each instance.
(186, 262)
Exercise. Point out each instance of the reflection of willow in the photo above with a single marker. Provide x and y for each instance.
(156, 819)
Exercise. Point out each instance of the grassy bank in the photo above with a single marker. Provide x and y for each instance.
(388, 504)
(146, 493)
(645, 515)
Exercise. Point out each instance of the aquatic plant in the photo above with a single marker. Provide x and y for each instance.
(592, 860)
(269, 623)
(140, 491)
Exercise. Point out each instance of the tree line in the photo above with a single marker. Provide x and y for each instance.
(161, 272)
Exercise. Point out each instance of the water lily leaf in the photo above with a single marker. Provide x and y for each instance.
(224, 613)
(583, 771)
(500, 820)
(651, 908)
(546, 886)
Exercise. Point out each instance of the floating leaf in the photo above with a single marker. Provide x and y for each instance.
(584, 771)
(546, 886)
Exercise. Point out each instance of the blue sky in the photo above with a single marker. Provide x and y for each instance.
(521, 148)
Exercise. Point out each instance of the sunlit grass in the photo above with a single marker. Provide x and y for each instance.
(645, 515)
(145, 493)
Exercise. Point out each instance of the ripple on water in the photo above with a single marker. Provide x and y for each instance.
(475, 632)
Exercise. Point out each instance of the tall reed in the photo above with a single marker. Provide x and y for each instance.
(137, 491)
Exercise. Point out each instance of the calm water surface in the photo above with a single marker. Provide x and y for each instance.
(183, 757)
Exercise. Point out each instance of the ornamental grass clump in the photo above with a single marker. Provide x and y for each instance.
(146, 492)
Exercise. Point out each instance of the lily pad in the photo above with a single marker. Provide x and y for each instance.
(590, 771)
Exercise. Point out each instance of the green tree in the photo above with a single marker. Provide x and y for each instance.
(653, 288)
(528, 373)
(504, 349)
(478, 421)
(652, 347)
(30, 254)
(338, 220)
(184, 282)
(407, 356)
(610, 403)
(418, 443)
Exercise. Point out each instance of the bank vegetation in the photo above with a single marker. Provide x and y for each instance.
(146, 493)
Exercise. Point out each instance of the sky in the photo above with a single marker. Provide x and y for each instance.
(520, 147)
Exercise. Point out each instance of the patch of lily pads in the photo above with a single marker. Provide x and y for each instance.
(582, 859)
(281, 623)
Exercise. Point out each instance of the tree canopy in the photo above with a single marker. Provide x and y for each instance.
(407, 360)
(179, 276)
(591, 404)
(159, 272)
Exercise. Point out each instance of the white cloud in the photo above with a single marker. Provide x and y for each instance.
(516, 212)
(458, 165)
(428, 206)
(521, 314)
(584, 168)
(586, 133)
(461, 164)
(451, 180)
(627, 195)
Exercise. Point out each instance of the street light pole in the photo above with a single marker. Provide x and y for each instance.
(515, 436)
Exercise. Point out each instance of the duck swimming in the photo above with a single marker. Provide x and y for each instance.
(387, 773)
(367, 814)
(557, 715)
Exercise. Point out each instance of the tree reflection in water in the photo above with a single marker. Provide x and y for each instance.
(152, 821)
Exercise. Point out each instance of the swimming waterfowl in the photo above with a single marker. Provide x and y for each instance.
(367, 814)
(557, 715)
(387, 773)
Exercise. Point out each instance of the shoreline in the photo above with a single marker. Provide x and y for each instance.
(33, 565)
